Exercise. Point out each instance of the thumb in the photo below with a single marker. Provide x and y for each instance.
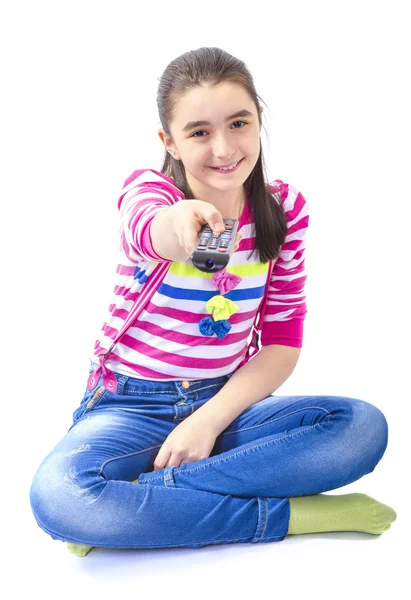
(214, 219)
(217, 226)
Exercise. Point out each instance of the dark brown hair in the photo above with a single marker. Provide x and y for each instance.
(211, 66)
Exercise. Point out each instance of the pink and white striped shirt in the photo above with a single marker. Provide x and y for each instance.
(173, 338)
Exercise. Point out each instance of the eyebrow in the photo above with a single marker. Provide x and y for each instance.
(241, 113)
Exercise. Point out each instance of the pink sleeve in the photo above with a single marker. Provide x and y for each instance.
(144, 193)
(147, 243)
(286, 307)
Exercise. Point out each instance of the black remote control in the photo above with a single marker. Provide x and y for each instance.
(213, 250)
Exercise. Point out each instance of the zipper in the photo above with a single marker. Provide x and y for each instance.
(95, 397)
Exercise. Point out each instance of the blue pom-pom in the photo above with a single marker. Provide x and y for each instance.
(206, 326)
(221, 328)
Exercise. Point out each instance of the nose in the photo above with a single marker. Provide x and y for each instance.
(223, 149)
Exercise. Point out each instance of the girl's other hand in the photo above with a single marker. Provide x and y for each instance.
(192, 440)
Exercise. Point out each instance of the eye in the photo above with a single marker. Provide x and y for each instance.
(195, 134)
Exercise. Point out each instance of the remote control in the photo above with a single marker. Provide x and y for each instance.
(213, 250)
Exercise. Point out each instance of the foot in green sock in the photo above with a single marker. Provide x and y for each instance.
(346, 512)
(81, 549)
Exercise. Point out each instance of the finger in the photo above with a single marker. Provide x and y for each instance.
(161, 459)
(215, 222)
(172, 463)
(188, 246)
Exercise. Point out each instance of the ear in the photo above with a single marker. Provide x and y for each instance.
(163, 137)
(168, 143)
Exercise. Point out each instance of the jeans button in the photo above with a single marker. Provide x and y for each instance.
(185, 384)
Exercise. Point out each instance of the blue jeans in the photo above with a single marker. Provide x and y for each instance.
(280, 447)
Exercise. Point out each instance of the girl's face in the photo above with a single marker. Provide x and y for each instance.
(223, 141)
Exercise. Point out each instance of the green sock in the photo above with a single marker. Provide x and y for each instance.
(81, 549)
(347, 512)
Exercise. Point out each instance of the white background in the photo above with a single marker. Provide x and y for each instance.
(78, 115)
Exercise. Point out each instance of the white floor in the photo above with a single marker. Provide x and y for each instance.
(327, 565)
(321, 566)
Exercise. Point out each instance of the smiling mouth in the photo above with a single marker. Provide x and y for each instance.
(228, 170)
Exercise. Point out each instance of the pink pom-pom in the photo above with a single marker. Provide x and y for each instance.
(225, 281)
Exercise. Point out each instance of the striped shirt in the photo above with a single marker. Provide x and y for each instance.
(174, 337)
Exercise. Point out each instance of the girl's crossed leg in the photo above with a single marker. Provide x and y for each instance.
(281, 447)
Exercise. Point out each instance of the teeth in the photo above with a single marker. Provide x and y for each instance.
(228, 168)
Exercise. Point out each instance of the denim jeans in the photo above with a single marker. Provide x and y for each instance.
(280, 447)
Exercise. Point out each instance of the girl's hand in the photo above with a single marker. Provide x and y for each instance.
(193, 439)
(189, 216)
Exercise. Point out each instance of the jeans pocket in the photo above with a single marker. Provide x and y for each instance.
(89, 402)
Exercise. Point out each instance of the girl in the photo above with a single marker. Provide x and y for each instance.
(219, 458)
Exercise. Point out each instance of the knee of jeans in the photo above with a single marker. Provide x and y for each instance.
(42, 497)
(373, 428)
(56, 497)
